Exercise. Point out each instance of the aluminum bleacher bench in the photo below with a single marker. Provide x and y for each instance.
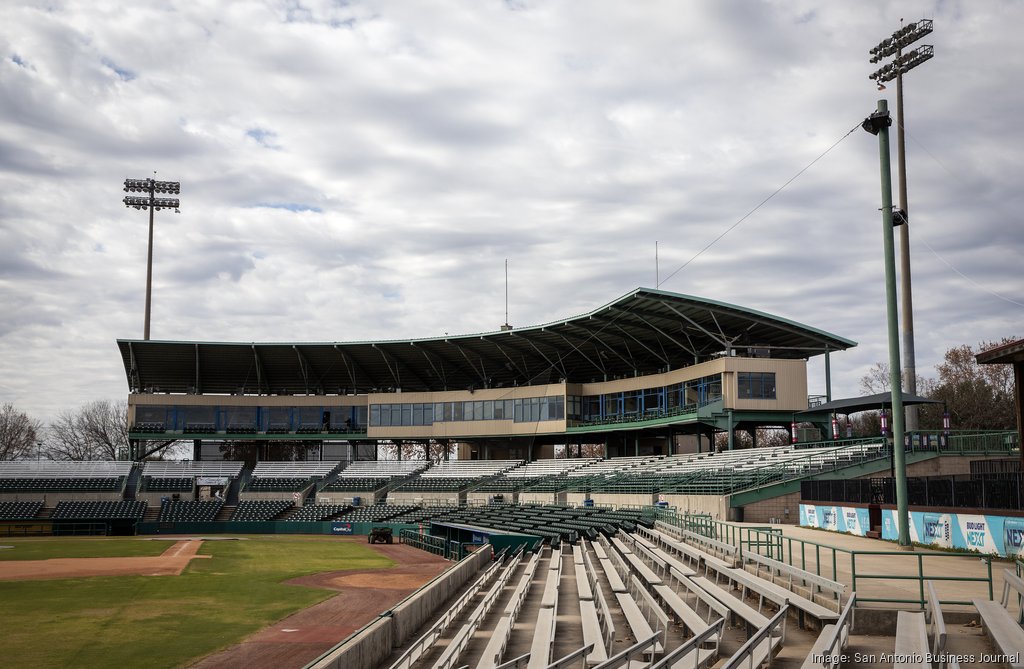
(780, 595)
(827, 651)
(912, 633)
(739, 609)
(692, 652)
(762, 644)
(815, 584)
(1005, 631)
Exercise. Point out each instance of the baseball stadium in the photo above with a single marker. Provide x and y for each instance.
(591, 492)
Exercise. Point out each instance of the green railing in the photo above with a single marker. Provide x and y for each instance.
(832, 561)
(425, 542)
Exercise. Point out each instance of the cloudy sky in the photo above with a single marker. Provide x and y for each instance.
(361, 170)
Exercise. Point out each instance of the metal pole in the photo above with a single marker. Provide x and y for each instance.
(828, 377)
(898, 430)
(149, 265)
(910, 366)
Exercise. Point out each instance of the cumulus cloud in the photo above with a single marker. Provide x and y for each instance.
(362, 170)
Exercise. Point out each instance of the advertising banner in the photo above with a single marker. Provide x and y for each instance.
(851, 520)
(964, 531)
(341, 528)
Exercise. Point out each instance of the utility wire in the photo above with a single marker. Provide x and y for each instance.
(759, 205)
(933, 251)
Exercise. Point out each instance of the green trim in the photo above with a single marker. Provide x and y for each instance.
(793, 485)
(633, 424)
(255, 436)
(837, 342)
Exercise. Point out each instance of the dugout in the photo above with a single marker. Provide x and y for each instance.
(474, 534)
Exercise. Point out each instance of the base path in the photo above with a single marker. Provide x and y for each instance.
(170, 563)
(364, 594)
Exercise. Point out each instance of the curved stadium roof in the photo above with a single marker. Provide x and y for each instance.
(642, 332)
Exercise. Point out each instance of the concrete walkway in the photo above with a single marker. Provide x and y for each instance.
(872, 643)
(842, 554)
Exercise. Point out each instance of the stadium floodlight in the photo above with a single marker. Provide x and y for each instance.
(149, 201)
(902, 63)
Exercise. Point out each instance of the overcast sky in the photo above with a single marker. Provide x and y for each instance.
(361, 170)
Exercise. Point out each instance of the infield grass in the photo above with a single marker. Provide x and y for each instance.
(162, 621)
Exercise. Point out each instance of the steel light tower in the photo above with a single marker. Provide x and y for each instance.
(150, 201)
(878, 124)
(903, 62)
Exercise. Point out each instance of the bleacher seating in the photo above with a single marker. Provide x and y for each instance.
(356, 483)
(365, 475)
(191, 469)
(455, 475)
(375, 513)
(52, 476)
(714, 473)
(260, 509)
(101, 510)
(167, 483)
(173, 511)
(288, 476)
(91, 484)
(532, 473)
(19, 510)
(318, 512)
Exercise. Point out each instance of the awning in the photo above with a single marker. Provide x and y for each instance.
(871, 402)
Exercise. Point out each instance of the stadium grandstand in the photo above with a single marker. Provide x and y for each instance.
(645, 542)
(652, 372)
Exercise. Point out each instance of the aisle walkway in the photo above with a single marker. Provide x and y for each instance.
(894, 564)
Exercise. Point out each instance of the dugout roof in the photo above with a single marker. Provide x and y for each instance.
(642, 332)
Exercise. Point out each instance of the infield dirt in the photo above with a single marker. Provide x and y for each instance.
(363, 595)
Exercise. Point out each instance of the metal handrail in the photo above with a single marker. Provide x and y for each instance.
(794, 552)
(746, 651)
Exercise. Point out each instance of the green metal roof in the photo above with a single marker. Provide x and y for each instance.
(643, 332)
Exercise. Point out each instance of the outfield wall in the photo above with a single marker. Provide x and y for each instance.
(334, 527)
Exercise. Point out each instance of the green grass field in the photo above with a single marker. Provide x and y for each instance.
(165, 621)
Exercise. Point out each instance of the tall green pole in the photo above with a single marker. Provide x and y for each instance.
(881, 123)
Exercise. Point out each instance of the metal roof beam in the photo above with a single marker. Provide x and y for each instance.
(598, 341)
(259, 371)
(133, 372)
(641, 315)
(481, 374)
(303, 367)
(351, 366)
(587, 358)
(521, 372)
(395, 376)
(698, 325)
(454, 364)
(642, 345)
(439, 373)
(551, 364)
(410, 370)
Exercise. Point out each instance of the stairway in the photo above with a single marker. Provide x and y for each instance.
(225, 513)
(131, 486)
(152, 514)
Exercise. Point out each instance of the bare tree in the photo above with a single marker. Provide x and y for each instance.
(876, 380)
(18, 433)
(96, 431)
(436, 449)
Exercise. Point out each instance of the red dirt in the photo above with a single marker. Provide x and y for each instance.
(170, 563)
(363, 595)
